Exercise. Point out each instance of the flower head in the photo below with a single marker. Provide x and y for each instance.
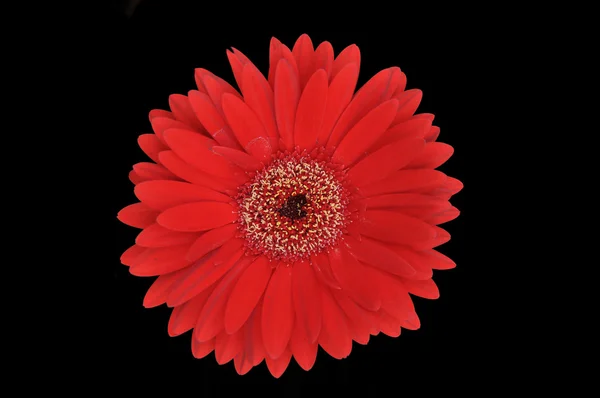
(294, 214)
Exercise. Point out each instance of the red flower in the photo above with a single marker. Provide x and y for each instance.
(295, 214)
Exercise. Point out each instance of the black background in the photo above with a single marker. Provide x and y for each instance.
(154, 54)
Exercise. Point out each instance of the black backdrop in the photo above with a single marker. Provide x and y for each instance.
(155, 52)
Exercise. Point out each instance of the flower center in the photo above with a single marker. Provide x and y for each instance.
(294, 207)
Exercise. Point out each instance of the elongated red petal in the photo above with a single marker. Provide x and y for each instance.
(202, 274)
(413, 128)
(365, 133)
(383, 162)
(339, 96)
(227, 346)
(162, 260)
(305, 352)
(311, 110)
(210, 323)
(324, 58)
(202, 349)
(335, 337)
(210, 241)
(286, 96)
(198, 216)
(278, 312)
(195, 150)
(182, 110)
(434, 155)
(151, 171)
(375, 92)
(355, 279)
(359, 320)
(259, 97)
(154, 113)
(152, 146)
(407, 201)
(246, 294)
(408, 102)
(433, 134)
(278, 365)
(130, 255)
(162, 195)
(307, 303)
(239, 158)
(349, 55)
(137, 215)
(395, 227)
(158, 292)
(247, 128)
(157, 236)
(379, 255)
(185, 316)
(422, 288)
(162, 124)
(405, 181)
(212, 119)
(277, 52)
(320, 264)
(304, 54)
(188, 173)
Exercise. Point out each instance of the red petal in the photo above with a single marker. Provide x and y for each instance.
(160, 289)
(443, 217)
(237, 67)
(422, 268)
(412, 323)
(202, 349)
(154, 113)
(405, 181)
(437, 260)
(162, 260)
(162, 195)
(401, 85)
(407, 200)
(162, 124)
(278, 312)
(185, 316)
(254, 347)
(304, 54)
(395, 299)
(379, 255)
(365, 133)
(324, 58)
(433, 134)
(307, 303)
(413, 128)
(188, 173)
(246, 294)
(311, 110)
(339, 96)
(216, 87)
(349, 55)
(203, 273)
(423, 288)
(210, 322)
(335, 337)
(227, 346)
(408, 102)
(259, 98)
(304, 351)
(211, 240)
(375, 92)
(355, 279)
(286, 96)
(386, 160)
(239, 158)
(434, 155)
(130, 255)
(151, 171)
(389, 325)
(320, 264)
(277, 52)
(137, 215)
(195, 150)
(157, 236)
(395, 227)
(279, 365)
(441, 237)
(359, 321)
(151, 146)
(136, 179)
(247, 128)
(212, 119)
(181, 108)
(199, 216)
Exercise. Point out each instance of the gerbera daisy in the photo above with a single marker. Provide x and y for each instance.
(293, 214)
